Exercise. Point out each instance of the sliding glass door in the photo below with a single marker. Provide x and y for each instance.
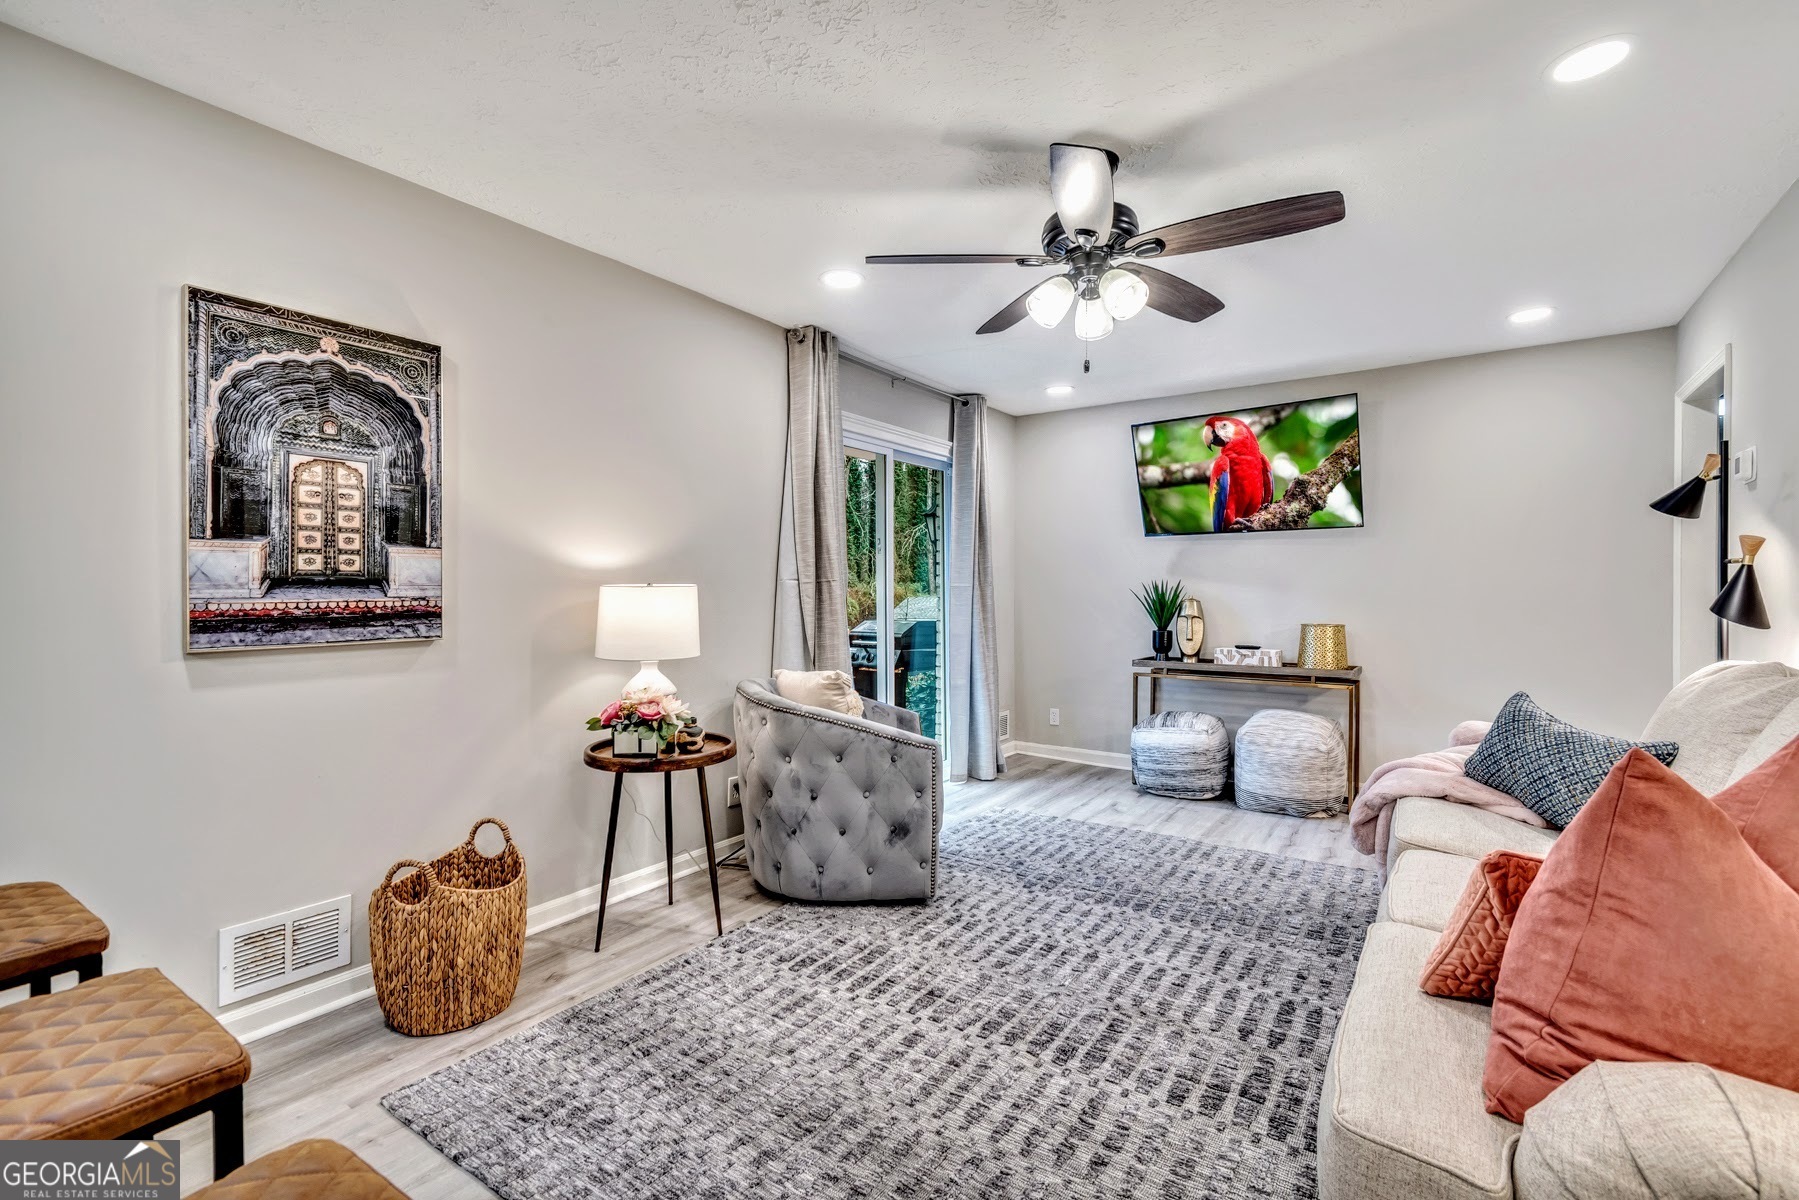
(898, 502)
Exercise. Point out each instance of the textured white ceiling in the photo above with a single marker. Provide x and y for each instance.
(740, 148)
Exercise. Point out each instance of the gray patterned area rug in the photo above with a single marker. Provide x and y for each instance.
(1084, 1011)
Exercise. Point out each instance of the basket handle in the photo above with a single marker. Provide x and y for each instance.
(476, 828)
(423, 867)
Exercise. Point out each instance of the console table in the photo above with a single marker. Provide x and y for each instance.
(1348, 680)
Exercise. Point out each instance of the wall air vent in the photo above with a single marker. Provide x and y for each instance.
(260, 956)
(1003, 728)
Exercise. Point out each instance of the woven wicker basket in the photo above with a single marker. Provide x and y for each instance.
(447, 941)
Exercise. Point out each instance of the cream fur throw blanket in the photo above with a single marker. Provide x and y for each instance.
(1436, 775)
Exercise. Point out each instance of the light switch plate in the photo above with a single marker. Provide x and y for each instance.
(1742, 465)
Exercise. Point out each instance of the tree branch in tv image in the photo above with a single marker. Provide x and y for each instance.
(1283, 466)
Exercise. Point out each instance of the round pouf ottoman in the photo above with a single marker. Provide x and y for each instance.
(1293, 763)
(1186, 755)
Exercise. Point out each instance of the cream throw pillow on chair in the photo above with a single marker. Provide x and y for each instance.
(820, 689)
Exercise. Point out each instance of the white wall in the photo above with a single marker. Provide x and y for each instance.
(600, 424)
(1753, 305)
(1508, 545)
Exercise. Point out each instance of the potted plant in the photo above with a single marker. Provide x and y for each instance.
(1161, 600)
(643, 722)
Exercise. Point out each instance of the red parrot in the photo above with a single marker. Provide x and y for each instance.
(1242, 478)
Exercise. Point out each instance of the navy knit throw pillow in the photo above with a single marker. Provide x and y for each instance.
(1550, 766)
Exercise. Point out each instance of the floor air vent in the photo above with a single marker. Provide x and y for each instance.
(259, 956)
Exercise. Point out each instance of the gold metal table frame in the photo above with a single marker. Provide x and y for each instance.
(1348, 680)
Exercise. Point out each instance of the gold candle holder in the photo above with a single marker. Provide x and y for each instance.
(1323, 647)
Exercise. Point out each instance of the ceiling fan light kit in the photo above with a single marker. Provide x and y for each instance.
(1050, 301)
(1100, 256)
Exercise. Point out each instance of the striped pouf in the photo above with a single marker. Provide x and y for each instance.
(1186, 755)
(1292, 763)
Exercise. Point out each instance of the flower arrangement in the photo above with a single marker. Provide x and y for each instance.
(644, 715)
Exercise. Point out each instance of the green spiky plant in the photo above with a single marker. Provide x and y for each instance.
(1161, 601)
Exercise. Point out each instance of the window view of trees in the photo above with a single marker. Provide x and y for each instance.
(917, 542)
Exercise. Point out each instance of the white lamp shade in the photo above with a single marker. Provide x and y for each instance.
(1124, 293)
(1092, 321)
(648, 621)
(1049, 301)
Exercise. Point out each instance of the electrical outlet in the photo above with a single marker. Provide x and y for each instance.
(1055, 716)
(734, 792)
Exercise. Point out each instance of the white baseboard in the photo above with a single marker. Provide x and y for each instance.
(329, 993)
(1073, 754)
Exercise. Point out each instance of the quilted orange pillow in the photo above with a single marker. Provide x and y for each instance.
(1465, 963)
(1654, 932)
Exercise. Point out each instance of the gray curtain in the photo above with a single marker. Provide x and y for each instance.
(974, 639)
(812, 565)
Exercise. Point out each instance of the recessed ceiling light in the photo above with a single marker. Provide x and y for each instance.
(841, 279)
(1059, 389)
(1594, 58)
(1530, 316)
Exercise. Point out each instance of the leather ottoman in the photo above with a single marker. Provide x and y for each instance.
(312, 1170)
(121, 1056)
(44, 931)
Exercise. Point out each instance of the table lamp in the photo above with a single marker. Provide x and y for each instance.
(648, 622)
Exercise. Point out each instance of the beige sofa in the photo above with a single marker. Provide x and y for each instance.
(1402, 1114)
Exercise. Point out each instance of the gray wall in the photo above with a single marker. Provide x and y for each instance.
(176, 795)
(872, 394)
(1754, 306)
(1508, 545)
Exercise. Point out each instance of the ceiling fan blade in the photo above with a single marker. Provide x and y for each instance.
(1080, 184)
(1175, 296)
(1010, 315)
(1252, 223)
(1023, 260)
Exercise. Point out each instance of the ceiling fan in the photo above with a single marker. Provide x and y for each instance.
(1095, 241)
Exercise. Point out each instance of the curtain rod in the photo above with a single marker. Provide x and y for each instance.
(878, 369)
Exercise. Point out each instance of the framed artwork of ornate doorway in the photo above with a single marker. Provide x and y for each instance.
(314, 480)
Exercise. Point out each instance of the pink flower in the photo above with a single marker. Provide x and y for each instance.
(611, 714)
(650, 710)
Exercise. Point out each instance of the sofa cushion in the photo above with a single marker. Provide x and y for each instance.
(1423, 888)
(1401, 1111)
(1727, 718)
(1653, 933)
(1648, 1131)
(1425, 824)
(1551, 766)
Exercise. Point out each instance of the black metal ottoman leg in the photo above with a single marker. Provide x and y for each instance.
(227, 1132)
(88, 968)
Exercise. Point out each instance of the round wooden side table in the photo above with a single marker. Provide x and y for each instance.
(599, 756)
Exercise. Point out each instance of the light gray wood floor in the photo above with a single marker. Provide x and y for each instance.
(326, 1078)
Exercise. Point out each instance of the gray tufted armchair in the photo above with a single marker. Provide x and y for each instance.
(836, 807)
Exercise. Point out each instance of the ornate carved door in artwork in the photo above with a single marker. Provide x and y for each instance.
(330, 513)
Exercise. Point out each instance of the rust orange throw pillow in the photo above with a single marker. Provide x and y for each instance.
(1765, 806)
(1465, 963)
(1653, 933)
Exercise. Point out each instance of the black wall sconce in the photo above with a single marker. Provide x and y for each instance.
(1686, 500)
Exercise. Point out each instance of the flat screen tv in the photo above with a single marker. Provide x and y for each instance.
(1281, 466)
